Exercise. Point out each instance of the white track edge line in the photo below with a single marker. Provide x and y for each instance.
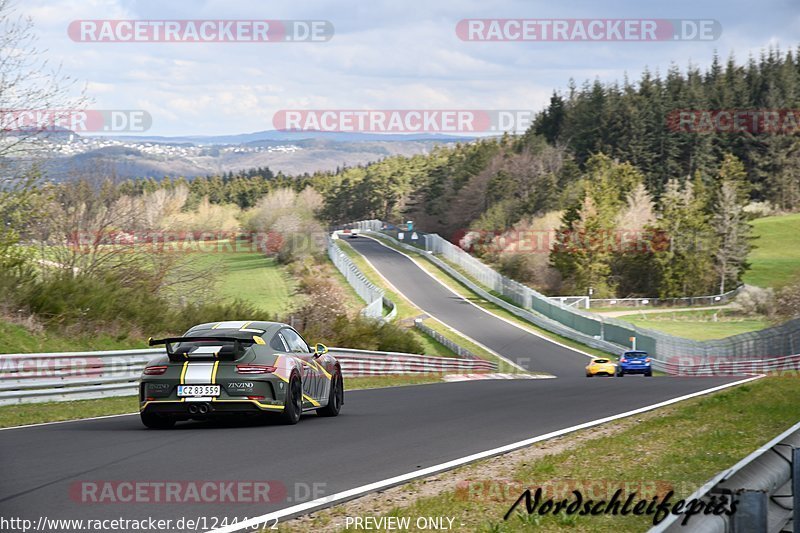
(515, 324)
(62, 421)
(349, 494)
(407, 299)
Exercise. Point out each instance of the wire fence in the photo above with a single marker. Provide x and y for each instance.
(606, 333)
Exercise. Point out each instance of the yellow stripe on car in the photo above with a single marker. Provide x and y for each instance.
(321, 369)
(183, 376)
(314, 402)
(255, 402)
(214, 373)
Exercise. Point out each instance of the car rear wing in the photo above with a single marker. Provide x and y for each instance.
(229, 348)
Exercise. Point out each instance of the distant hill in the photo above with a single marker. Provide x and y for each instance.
(294, 136)
(288, 152)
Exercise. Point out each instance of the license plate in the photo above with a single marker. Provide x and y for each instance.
(636, 362)
(198, 390)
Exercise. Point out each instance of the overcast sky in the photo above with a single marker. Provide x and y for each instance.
(384, 55)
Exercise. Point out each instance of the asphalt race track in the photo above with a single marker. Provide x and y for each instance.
(380, 433)
(528, 351)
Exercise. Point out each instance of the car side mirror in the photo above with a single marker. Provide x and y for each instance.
(320, 349)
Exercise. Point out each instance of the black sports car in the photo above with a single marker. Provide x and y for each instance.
(239, 368)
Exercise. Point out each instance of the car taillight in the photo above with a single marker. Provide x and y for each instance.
(254, 369)
(623, 360)
(647, 360)
(154, 370)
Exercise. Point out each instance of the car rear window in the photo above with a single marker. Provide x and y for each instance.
(635, 355)
(601, 360)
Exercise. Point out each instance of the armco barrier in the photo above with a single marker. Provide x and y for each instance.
(605, 333)
(714, 299)
(444, 341)
(365, 363)
(765, 486)
(29, 378)
(374, 297)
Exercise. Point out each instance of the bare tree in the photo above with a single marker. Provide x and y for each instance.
(28, 82)
(733, 232)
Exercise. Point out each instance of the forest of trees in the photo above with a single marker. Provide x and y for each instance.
(600, 159)
(628, 121)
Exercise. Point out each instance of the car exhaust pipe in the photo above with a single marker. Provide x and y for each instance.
(192, 409)
(202, 409)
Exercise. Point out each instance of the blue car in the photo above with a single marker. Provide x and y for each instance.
(634, 362)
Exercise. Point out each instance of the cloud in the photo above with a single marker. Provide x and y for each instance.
(385, 54)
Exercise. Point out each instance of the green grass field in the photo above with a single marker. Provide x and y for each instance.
(251, 277)
(698, 325)
(775, 261)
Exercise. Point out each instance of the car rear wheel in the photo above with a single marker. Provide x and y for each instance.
(620, 373)
(648, 374)
(336, 398)
(157, 421)
(293, 407)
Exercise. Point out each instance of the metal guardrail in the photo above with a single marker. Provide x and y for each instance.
(30, 378)
(765, 486)
(605, 333)
(444, 341)
(714, 299)
(366, 363)
(373, 296)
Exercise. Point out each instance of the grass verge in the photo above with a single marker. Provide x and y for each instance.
(678, 448)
